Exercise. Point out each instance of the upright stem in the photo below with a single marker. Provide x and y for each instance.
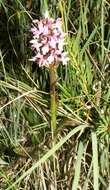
(53, 112)
(53, 96)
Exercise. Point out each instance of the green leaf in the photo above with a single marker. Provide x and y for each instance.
(2, 162)
(78, 166)
(95, 161)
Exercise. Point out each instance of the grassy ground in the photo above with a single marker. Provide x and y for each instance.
(80, 159)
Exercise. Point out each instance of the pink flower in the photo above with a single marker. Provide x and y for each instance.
(50, 59)
(64, 58)
(52, 42)
(45, 49)
(48, 42)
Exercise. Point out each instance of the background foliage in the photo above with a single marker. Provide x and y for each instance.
(27, 158)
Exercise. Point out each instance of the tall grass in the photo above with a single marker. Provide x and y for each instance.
(82, 150)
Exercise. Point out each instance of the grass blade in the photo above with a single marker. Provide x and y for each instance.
(48, 154)
(78, 166)
(86, 183)
(95, 161)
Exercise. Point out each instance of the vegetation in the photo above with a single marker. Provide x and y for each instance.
(80, 156)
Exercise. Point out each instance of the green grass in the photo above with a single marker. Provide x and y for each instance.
(80, 158)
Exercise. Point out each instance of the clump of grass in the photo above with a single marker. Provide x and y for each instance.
(82, 152)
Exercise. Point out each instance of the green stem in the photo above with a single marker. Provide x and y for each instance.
(53, 96)
(53, 112)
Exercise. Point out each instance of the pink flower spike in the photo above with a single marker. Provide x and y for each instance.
(48, 42)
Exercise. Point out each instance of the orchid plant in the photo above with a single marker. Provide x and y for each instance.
(48, 48)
